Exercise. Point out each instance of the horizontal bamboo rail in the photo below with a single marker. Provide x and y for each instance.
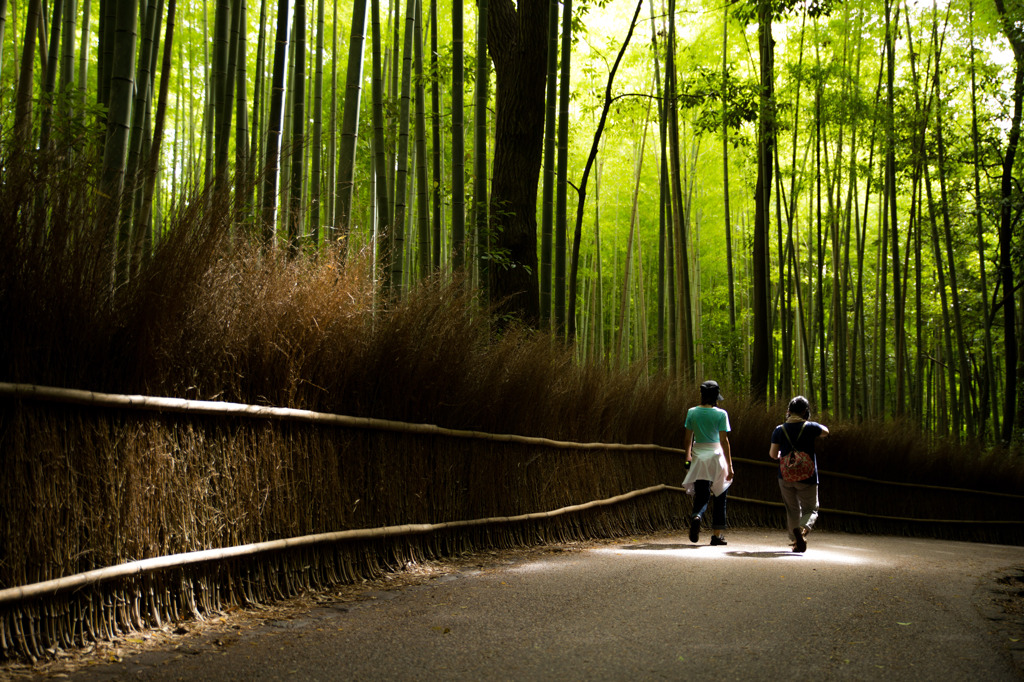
(898, 484)
(49, 587)
(208, 407)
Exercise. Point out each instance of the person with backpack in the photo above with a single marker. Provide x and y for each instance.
(709, 461)
(793, 446)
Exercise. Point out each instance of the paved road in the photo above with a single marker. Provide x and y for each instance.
(852, 607)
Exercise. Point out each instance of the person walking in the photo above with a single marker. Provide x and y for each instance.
(793, 446)
(709, 459)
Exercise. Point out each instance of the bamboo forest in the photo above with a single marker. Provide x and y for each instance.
(814, 197)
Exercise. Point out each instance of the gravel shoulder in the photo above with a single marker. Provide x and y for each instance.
(643, 607)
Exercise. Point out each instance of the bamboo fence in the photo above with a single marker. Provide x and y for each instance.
(127, 512)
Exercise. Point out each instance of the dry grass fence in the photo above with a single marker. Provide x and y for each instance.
(101, 487)
(295, 500)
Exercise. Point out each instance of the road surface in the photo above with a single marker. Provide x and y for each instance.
(652, 608)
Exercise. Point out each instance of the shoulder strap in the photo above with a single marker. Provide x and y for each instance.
(790, 439)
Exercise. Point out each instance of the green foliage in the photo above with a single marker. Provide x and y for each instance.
(747, 12)
(702, 90)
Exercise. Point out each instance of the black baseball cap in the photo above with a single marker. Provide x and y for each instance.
(710, 392)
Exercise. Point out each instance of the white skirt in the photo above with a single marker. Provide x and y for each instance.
(708, 465)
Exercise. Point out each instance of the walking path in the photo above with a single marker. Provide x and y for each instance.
(652, 608)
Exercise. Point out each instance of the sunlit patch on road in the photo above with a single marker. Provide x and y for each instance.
(831, 554)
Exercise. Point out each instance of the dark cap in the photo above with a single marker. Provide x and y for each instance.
(710, 393)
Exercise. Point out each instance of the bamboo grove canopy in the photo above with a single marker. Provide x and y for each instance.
(818, 197)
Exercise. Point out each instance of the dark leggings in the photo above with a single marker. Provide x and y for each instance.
(701, 497)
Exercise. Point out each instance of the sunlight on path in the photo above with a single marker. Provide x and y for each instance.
(834, 554)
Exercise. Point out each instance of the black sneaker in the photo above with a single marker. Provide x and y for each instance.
(718, 540)
(695, 529)
(801, 543)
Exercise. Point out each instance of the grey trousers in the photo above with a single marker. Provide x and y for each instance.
(801, 501)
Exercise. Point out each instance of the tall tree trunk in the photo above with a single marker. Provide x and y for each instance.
(131, 229)
(517, 41)
(1012, 30)
(963, 408)
(890, 218)
(548, 202)
(3, 28)
(668, 110)
(989, 395)
(209, 114)
(26, 84)
(726, 213)
(561, 218)
(118, 123)
(789, 272)
(819, 311)
(597, 314)
(682, 301)
(257, 131)
(330, 220)
(49, 84)
(350, 121)
(919, 137)
(485, 240)
(315, 209)
(83, 49)
(397, 241)
(437, 151)
(50, 80)
(298, 141)
(662, 360)
(458, 141)
(393, 78)
(287, 151)
(422, 201)
(153, 158)
(270, 167)
(67, 58)
(919, 332)
(946, 326)
(851, 220)
(761, 358)
(222, 100)
(623, 358)
(243, 170)
(860, 319)
(921, 176)
(104, 57)
(382, 200)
